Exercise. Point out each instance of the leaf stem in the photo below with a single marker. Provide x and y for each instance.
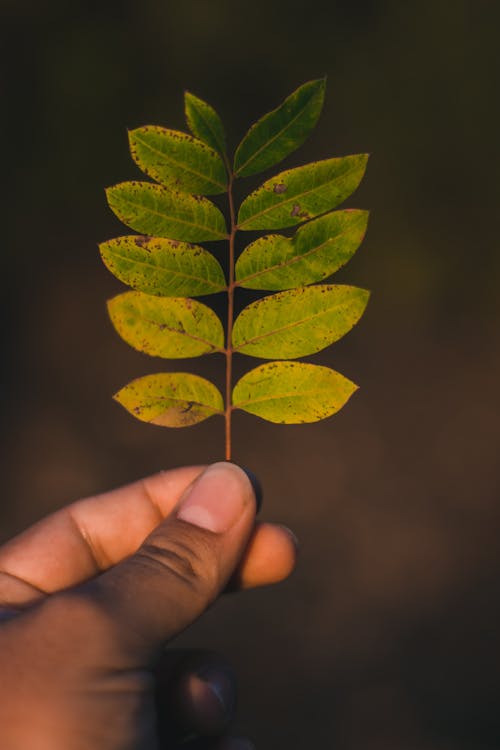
(230, 315)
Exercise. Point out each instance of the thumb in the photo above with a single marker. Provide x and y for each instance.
(183, 564)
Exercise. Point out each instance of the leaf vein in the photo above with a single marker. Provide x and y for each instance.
(293, 324)
(295, 197)
(183, 166)
(166, 270)
(295, 259)
(271, 140)
(173, 218)
(300, 394)
(164, 327)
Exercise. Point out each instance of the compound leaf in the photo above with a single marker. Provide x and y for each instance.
(178, 160)
(281, 131)
(163, 267)
(316, 251)
(171, 399)
(298, 322)
(156, 210)
(292, 392)
(169, 327)
(204, 122)
(299, 194)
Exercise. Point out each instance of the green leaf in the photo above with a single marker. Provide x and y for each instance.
(163, 267)
(281, 131)
(170, 327)
(204, 122)
(171, 399)
(298, 322)
(178, 160)
(292, 392)
(317, 250)
(297, 195)
(155, 210)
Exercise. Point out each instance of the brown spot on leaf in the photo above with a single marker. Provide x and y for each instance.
(280, 187)
(297, 212)
(141, 240)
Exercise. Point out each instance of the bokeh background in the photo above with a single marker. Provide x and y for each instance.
(388, 634)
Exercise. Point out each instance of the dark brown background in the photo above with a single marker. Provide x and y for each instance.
(387, 637)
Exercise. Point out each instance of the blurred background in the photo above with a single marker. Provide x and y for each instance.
(388, 635)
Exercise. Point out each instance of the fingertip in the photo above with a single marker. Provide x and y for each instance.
(270, 557)
(196, 694)
(208, 698)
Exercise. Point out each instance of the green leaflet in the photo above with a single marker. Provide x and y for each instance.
(281, 131)
(169, 327)
(156, 210)
(317, 250)
(171, 399)
(204, 122)
(298, 322)
(299, 194)
(163, 267)
(292, 392)
(178, 160)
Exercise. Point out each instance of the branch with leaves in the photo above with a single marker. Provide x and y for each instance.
(166, 270)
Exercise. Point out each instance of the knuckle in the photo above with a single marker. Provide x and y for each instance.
(193, 565)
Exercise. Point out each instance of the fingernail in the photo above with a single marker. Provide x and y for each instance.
(216, 500)
(257, 487)
(291, 534)
(223, 688)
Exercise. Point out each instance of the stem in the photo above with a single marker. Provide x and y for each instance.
(230, 315)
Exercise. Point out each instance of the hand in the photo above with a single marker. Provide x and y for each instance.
(90, 596)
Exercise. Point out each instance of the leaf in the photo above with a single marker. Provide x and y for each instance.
(178, 160)
(169, 327)
(292, 392)
(163, 267)
(281, 131)
(171, 399)
(298, 322)
(299, 194)
(155, 210)
(316, 251)
(204, 122)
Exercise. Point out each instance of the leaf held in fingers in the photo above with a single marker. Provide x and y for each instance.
(163, 267)
(169, 327)
(299, 194)
(178, 160)
(204, 122)
(158, 211)
(298, 322)
(292, 392)
(281, 131)
(171, 399)
(316, 251)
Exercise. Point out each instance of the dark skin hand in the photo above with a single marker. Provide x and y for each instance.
(90, 596)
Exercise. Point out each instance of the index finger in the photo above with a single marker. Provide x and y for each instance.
(88, 536)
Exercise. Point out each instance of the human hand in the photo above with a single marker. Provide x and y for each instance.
(90, 596)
